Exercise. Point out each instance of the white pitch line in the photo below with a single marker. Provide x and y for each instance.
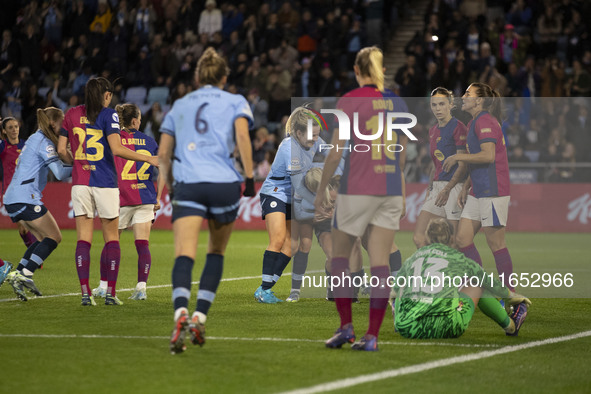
(260, 339)
(150, 287)
(445, 362)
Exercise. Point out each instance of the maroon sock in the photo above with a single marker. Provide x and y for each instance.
(1, 263)
(29, 239)
(378, 299)
(83, 265)
(104, 266)
(504, 265)
(144, 260)
(112, 257)
(342, 293)
(471, 252)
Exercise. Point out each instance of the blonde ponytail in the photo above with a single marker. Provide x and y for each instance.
(44, 119)
(211, 68)
(370, 62)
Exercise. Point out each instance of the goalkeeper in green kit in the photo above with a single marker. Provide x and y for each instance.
(438, 288)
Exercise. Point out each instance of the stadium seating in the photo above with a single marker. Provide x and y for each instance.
(136, 95)
(159, 94)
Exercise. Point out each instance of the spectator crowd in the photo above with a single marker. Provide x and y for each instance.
(279, 49)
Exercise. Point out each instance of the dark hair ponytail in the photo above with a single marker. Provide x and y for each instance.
(94, 93)
(492, 100)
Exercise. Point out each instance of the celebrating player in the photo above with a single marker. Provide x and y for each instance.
(199, 134)
(294, 158)
(23, 198)
(370, 199)
(446, 138)
(10, 147)
(93, 132)
(487, 206)
(138, 197)
(428, 305)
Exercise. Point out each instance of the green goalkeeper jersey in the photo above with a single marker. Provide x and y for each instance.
(429, 282)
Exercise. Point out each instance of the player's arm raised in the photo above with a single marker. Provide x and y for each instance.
(120, 151)
(245, 148)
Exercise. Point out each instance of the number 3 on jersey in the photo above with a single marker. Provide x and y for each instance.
(141, 174)
(94, 143)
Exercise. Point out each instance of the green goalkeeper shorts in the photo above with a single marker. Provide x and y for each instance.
(450, 321)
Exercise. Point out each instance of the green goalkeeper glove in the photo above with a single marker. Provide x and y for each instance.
(515, 299)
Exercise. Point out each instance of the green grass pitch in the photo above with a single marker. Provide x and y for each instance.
(53, 345)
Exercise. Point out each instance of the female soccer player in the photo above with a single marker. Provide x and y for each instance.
(93, 131)
(487, 205)
(10, 147)
(294, 158)
(304, 196)
(428, 310)
(138, 197)
(199, 134)
(370, 199)
(446, 138)
(23, 198)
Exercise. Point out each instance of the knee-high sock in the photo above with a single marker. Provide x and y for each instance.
(181, 281)
(40, 253)
(395, 263)
(28, 238)
(504, 265)
(144, 260)
(210, 280)
(104, 267)
(340, 272)
(300, 263)
(471, 252)
(113, 258)
(492, 308)
(280, 264)
(23, 263)
(379, 300)
(83, 265)
(268, 266)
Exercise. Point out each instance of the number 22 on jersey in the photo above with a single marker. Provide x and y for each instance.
(126, 175)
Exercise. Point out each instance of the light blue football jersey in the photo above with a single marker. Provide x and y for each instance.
(291, 163)
(202, 124)
(31, 171)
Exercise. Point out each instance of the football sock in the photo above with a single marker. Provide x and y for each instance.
(343, 292)
(395, 263)
(300, 263)
(268, 265)
(113, 258)
(83, 264)
(40, 253)
(1, 263)
(144, 260)
(357, 283)
(492, 308)
(181, 282)
(210, 279)
(471, 252)
(104, 268)
(280, 264)
(379, 300)
(28, 238)
(23, 263)
(504, 265)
